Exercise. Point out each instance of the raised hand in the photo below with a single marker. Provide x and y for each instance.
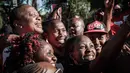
(109, 4)
(12, 37)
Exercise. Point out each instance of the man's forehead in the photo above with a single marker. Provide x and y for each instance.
(58, 24)
(83, 38)
(25, 8)
(28, 11)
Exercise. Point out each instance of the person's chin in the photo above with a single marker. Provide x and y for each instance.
(53, 64)
(38, 30)
(89, 58)
(61, 41)
(73, 34)
(59, 44)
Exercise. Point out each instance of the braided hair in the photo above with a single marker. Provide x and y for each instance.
(22, 51)
(41, 67)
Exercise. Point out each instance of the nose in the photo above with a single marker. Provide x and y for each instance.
(54, 59)
(60, 33)
(71, 28)
(38, 18)
(87, 51)
(96, 41)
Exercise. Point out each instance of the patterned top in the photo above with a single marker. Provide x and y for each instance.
(42, 6)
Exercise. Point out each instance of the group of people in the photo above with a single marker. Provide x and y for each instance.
(37, 46)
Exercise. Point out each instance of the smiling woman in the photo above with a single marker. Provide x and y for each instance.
(79, 53)
(28, 49)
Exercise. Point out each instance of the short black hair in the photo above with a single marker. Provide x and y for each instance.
(15, 14)
(48, 24)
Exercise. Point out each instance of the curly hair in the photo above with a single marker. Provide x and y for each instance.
(22, 51)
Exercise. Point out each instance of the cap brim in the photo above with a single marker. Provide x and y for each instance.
(93, 31)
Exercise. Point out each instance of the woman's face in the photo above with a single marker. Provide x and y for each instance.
(30, 20)
(84, 50)
(46, 54)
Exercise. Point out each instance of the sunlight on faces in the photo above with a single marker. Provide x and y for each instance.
(57, 33)
(84, 50)
(98, 40)
(60, 32)
(30, 20)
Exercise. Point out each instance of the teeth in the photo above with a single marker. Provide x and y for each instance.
(53, 64)
(40, 26)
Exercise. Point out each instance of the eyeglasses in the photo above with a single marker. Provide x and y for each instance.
(58, 71)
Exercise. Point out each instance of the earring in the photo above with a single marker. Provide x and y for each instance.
(18, 26)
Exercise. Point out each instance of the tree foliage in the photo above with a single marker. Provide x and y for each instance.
(81, 8)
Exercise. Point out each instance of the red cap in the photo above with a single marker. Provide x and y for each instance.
(96, 26)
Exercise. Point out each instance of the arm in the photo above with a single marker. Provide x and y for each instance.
(5, 40)
(111, 50)
(109, 4)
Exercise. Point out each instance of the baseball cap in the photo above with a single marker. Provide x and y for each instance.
(96, 26)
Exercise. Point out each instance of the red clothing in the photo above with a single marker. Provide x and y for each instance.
(118, 20)
(114, 28)
(125, 14)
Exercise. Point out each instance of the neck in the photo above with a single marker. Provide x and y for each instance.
(59, 51)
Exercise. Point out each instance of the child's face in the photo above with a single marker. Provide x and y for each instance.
(76, 28)
(84, 50)
(46, 54)
(57, 34)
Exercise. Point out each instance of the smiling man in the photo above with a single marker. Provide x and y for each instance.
(96, 31)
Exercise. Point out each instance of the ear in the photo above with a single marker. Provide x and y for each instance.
(59, 13)
(15, 23)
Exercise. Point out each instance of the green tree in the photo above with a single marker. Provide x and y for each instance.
(81, 8)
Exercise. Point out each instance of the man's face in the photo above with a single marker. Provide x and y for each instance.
(129, 4)
(84, 51)
(46, 54)
(117, 10)
(76, 28)
(57, 34)
(30, 20)
(98, 40)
